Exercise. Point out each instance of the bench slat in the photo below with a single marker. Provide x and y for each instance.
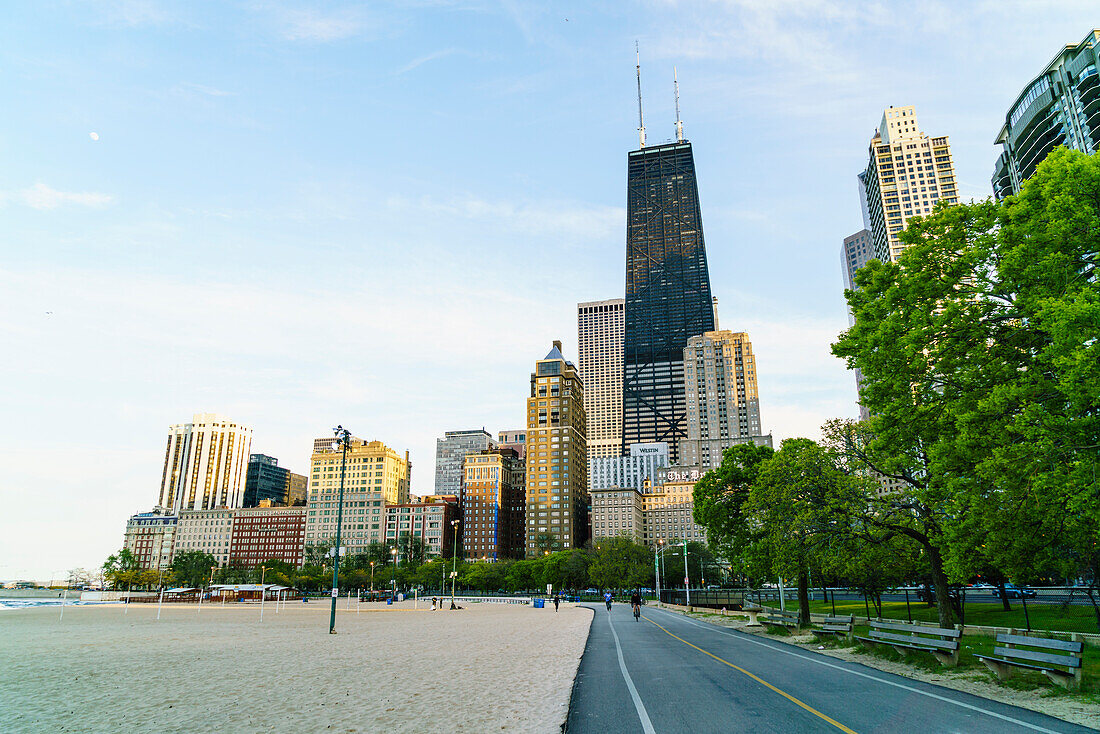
(1068, 661)
(835, 627)
(941, 631)
(838, 620)
(1041, 642)
(1011, 662)
(917, 641)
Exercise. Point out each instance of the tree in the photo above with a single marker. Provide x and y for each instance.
(719, 497)
(547, 543)
(794, 513)
(413, 549)
(119, 567)
(620, 563)
(980, 363)
(192, 568)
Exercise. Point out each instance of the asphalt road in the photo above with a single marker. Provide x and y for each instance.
(667, 673)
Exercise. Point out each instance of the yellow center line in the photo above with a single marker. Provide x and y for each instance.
(758, 679)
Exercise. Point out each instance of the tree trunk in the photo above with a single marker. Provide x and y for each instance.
(803, 598)
(944, 606)
(1004, 596)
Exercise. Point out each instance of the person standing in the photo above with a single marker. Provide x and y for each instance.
(556, 600)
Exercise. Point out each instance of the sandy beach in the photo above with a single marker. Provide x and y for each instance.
(488, 667)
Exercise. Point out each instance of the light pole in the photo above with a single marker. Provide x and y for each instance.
(454, 560)
(209, 585)
(393, 581)
(343, 439)
(372, 578)
(263, 592)
(657, 569)
(687, 586)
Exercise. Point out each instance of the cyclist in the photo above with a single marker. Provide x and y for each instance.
(607, 599)
(636, 604)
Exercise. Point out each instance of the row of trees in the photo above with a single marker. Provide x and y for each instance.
(980, 364)
(609, 563)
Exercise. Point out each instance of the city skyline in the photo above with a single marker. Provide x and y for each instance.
(223, 243)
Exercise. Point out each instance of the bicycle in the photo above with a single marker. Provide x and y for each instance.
(608, 602)
(637, 611)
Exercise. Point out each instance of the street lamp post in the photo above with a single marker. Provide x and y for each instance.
(372, 578)
(393, 581)
(687, 586)
(454, 559)
(209, 586)
(343, 438)
(263, 592)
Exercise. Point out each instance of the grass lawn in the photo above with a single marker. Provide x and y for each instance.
(1075, 618)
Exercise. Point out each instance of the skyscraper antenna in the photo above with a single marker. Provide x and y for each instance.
(679, 122)
(638, 71)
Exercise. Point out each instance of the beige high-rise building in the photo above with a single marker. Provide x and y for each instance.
(618, 511)
(600, 328)
(206, 531)
(557, 457)
(372, 467)
(907, 173)
(670, 506)
(723, 403)
(205, 464)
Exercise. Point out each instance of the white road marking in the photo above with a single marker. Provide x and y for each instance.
(815, 659)
(647, 725)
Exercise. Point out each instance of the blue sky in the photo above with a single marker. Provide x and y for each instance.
(380, 214)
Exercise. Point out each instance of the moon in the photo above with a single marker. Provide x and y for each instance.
(93, 136)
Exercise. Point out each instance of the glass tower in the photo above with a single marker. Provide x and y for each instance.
(668, 297)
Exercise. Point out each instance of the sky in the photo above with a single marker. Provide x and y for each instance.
(380, 214)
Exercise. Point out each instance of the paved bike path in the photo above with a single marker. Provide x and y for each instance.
(680, 675)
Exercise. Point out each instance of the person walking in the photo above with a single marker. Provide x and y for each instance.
(556, 600)
(636, 604)
(607, 599)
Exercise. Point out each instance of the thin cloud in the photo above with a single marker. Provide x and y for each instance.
(317, 26)
(44, 197)
(434, 56)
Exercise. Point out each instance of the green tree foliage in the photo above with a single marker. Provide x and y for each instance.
(719, 497)
(119, 567)
(192, 568)
(620, 563)
(412, 549)
(981, 367)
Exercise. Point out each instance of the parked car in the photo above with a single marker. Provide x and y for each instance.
(1015, 592)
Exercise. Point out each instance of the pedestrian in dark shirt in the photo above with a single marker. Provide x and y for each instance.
(556, 600)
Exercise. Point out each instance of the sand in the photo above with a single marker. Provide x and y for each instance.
(488, 667)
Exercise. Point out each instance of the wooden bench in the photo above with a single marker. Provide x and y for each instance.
(777, 618)
(943, 643)
(836, 626)
(1049, 663)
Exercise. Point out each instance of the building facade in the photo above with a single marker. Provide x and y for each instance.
(907, 173)
(723, 402)
(494, 505)
(600, 327)
(429, 521)
(515, 440)
(206, 531)
(628, 471)
(669, 507)
(668, 295)
(372, 467)
(1061, 106)
(151, 537)
(205, 464)
(618, 511)
(856, 251)
(557, 460)
(362, 523)
(266, 480)
(267, 533)
(450, 455)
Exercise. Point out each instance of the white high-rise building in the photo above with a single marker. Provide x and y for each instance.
(628, 471)
(600, 328)
(205, 464)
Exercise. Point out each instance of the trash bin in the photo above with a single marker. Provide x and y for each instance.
(400, 597)
(540, 603)
(390, 601)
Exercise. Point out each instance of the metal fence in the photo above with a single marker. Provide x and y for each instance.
(1063, 608)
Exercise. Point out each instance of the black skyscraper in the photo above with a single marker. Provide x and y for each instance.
(667, 291)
